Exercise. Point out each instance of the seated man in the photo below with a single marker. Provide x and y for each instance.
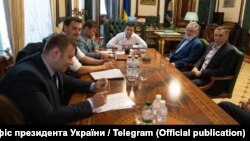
(72, 27)
(128, 37)
(217, 60)
(37, 85)
(85, 43)
(189, 49)
(240, 113)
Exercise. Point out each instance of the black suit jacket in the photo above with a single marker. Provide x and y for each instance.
(221, 64)
(30, 49)
(30, 85)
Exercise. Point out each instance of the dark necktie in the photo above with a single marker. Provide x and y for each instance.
(55, 79)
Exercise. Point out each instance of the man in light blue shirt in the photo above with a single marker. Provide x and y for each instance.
(87, 45)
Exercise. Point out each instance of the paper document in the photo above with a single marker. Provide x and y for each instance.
(167, 33)
(116, 101)
(107, 51)
(119, 52)
(109, 74)
(136, 46)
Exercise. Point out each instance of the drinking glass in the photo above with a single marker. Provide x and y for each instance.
(144, 75)
(138, 113)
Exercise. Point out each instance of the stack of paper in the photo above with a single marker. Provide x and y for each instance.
(116, 102)
(109, 74)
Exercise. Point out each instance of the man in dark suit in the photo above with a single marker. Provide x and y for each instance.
(217, 60)
(189, 49)
(240, 113)
(37, 83)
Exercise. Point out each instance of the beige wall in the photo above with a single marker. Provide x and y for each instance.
(152, 10)
(230, 14)
(146, 10)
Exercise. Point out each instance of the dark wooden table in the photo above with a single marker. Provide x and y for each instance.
(186, 103)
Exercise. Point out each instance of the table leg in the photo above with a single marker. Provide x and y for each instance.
(162, 47)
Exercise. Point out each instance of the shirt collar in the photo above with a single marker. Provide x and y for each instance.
(217, 47)
(124, 35)
(51, 72)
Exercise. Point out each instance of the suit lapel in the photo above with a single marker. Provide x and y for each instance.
(184, 45)
(217, 54)
(53, 93)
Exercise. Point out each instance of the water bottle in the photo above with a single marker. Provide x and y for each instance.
(161, 113)
(136, 66)
(130, 69)
(147, 113)
(156, 103)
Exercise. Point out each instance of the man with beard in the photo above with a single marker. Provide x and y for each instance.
(189, 49)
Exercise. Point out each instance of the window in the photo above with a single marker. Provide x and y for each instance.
(4, 38)
(103, 8)
(38, 21)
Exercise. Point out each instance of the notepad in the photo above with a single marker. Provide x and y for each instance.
(109, 74)
(116, 101)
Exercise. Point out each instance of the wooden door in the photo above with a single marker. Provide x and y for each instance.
(181, 7)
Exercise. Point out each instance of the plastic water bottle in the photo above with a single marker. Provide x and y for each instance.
(147, 113)
(136, 66)
(130, 69)
(156, 103)
(161, 113)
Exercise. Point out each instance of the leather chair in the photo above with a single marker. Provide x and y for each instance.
(235, 35)
(204, 43)
(151, 22)
(113, 27)
(229, 80)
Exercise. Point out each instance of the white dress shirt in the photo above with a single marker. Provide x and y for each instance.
(121, 39)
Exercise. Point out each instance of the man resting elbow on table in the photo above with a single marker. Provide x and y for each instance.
(128, 37)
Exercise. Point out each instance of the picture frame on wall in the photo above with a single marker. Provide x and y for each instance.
(229, 3)
(148, 2)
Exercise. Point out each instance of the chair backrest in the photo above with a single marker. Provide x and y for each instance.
(204, 42)
(29, 49)
(113, 27)
(235, 71)
(235, 35)
(153, 21)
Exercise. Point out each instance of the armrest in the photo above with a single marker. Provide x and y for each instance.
(213, 79)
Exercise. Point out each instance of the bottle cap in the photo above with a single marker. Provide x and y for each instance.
(158, 96)
(148, 103)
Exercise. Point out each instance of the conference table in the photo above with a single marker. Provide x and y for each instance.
(186, 103)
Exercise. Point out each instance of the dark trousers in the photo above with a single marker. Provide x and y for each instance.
(240, 115)
(196, 80)
(216, 89)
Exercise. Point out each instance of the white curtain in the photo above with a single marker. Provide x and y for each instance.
(4, 39)
(38, 20)
(15, 24)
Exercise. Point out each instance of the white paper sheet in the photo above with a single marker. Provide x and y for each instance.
(109, 74)
(170, 33)
(116, 101)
